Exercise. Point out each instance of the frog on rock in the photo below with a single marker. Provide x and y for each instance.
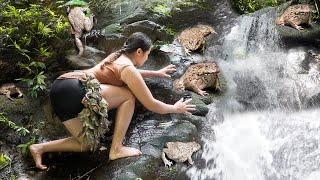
(179, 152)
(80, 19)
(10, 89)
(296, 15)
(197, 77)
(193, 38)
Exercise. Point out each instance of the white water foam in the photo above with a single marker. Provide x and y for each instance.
(277, 138)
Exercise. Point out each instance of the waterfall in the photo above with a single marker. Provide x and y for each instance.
(268, 131)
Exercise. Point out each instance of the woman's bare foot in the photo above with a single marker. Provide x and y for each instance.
(36, 153)
(123, 151)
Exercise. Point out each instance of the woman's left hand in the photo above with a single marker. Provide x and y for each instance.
(164, 72)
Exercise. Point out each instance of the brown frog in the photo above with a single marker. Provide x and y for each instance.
(80, 20)
(9, 89)
(193, 38)
(179, 152)
(198, 77)
(296, 15)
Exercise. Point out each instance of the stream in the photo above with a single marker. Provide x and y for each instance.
(267, 128)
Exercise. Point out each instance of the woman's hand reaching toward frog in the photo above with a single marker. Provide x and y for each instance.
(184, 107)
(164, 72)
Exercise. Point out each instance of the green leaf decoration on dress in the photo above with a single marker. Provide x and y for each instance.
(78, 3)
(95, 114)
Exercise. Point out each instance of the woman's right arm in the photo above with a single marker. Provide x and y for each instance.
(131, 76)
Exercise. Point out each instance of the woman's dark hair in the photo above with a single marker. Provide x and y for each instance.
(135, 41)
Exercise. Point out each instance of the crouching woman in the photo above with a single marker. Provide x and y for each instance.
(113, 83)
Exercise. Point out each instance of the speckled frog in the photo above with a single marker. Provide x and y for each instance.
(296, 15)
(193, 38)
(197, 77)
(80, 20)
(179, 152)
(10, 89)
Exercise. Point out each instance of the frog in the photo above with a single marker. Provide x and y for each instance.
(80, 20)
(179, 152)
(295, 15)
(193, 38)
(198, 77)
(10, 89)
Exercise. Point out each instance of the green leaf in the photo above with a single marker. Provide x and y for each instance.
(44, 29)
(22, 131)
(5, 160)
(76, 3)
(25, 147)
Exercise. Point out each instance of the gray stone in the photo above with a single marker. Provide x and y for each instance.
(148, 149)
(106, 42)
(309, 34)
(250, 91)
(292, 35)
(152, 29)
(90, 58)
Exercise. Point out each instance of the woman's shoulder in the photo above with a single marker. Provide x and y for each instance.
(122, 63)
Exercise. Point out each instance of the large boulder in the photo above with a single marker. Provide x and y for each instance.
(290, 34)
(90, 58)
(152, 29)
(251, 91)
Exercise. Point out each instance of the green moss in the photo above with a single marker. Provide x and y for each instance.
(165, 7)
(169, 30)
(249, 6)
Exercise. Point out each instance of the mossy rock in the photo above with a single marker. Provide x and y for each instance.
(156, 133)
(201, 107)
(144, 167)
(292, 35)
(309, 34)
(198, 121)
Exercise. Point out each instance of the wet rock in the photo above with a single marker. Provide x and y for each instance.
(150, 135)
(112, 37)
(90, 58)
(201, 107)
(123, 12)
(310, 34)
(198, 121)
(144, 167)
(106, 42)
(152, 29)
(292, 35)
(314, 101)
(151, 150)
(202, 12)
(250, 91)
(157, 132)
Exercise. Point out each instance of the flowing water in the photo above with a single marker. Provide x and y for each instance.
(268, 128)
